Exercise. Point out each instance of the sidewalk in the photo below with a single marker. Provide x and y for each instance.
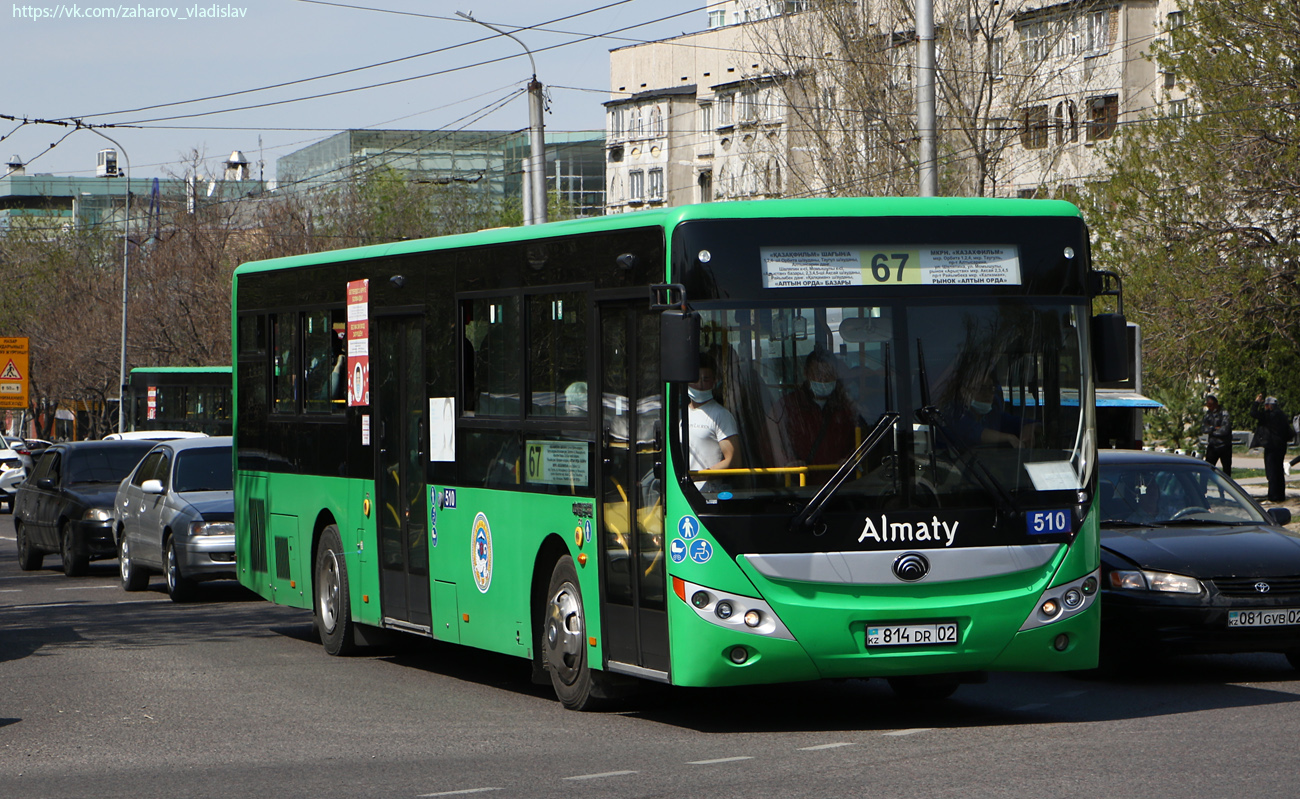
(1258, 486)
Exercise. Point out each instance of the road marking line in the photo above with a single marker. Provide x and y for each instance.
(823, 746)
(897, 733)
(11, 590)
(87, 588)
(599, 776)
(459, 793)
(719, 760)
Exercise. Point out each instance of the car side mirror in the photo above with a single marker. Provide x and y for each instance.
(1281, 516)
(152, 486)
(45, 482)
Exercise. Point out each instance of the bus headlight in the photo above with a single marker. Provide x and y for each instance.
(1063, 602)
(734, 612)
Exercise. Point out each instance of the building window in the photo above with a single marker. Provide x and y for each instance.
(1096, 33)
(1033, 133)
(725, 104)
(996, 58)
(656, 184)
(636, 186)
(1103, 116)
(1066, 122)
(616, 122)
(616, 154)
(705, 184)
(749, 106)
(706, 117)
(717, 19)
(656, 122)
(1034, 40)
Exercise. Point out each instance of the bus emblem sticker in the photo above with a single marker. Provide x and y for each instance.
(481, 553)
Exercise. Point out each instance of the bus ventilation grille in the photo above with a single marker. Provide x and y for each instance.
(257, 535)
(282, 570)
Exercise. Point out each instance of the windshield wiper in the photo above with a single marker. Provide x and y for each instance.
(934, 419)
(813, 509)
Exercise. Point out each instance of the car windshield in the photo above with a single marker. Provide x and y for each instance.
(206, 469)
(988, 397)
(104, 464)
(1151, 494)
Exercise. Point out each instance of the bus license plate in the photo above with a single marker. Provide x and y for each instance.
(1264, 618)
(911, 634)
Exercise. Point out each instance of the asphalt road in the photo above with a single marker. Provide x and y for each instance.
(109, 694)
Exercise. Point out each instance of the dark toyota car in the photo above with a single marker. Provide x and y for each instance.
(66, 505)
(1192, 564)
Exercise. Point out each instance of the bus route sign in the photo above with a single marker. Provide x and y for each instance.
(13, 373)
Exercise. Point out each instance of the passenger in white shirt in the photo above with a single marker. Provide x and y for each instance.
(713, 429)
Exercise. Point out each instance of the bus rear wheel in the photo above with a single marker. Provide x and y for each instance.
(564, 640)
(333, 603)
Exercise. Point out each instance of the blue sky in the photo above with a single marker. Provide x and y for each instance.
(79, 63)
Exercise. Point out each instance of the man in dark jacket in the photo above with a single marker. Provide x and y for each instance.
(1216, 426)
(1273, 434)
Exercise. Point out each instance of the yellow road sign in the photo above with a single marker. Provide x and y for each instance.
(13, 372)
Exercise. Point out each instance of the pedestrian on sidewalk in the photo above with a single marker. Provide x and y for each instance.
(1216, 426)
(1273, 434)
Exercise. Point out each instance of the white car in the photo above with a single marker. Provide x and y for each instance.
(153, 435)
(10, 479)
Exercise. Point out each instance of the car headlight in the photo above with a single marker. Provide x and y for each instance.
(212, 528)
(97, 515)
(1142, 580)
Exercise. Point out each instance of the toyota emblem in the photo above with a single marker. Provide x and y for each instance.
(911, 566)
(1261, 587)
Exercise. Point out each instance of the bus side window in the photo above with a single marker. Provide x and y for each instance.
(284, 378)
(324, 361)
(495, 334)
(557, 355)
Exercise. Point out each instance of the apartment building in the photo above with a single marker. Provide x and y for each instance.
(806, 97)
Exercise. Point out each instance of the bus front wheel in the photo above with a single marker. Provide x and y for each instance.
(564, 640)
(333, 605)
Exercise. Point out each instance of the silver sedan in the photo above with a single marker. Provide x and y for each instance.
(174, 514)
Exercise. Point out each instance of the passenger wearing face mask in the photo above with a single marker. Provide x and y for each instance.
(815, 424)
(981, 420)
(713, 430)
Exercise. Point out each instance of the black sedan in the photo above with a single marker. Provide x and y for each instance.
(66, 505)
(1191, 564)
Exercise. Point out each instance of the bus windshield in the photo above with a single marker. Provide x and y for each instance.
(992, 408)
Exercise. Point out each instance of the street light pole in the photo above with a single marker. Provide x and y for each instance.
(929, 176)
(535, 195)
(126, 257)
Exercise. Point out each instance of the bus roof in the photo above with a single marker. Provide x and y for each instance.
(669, 218)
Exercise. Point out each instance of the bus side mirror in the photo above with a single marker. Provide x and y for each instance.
(1110, 347)
(679, 346)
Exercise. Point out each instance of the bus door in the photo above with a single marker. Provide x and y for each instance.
(397, 376)
(630, 496)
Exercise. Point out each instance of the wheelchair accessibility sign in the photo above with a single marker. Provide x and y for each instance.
(701, 550)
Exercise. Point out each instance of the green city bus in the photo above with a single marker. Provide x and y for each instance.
(192, 398)
(486, 439)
